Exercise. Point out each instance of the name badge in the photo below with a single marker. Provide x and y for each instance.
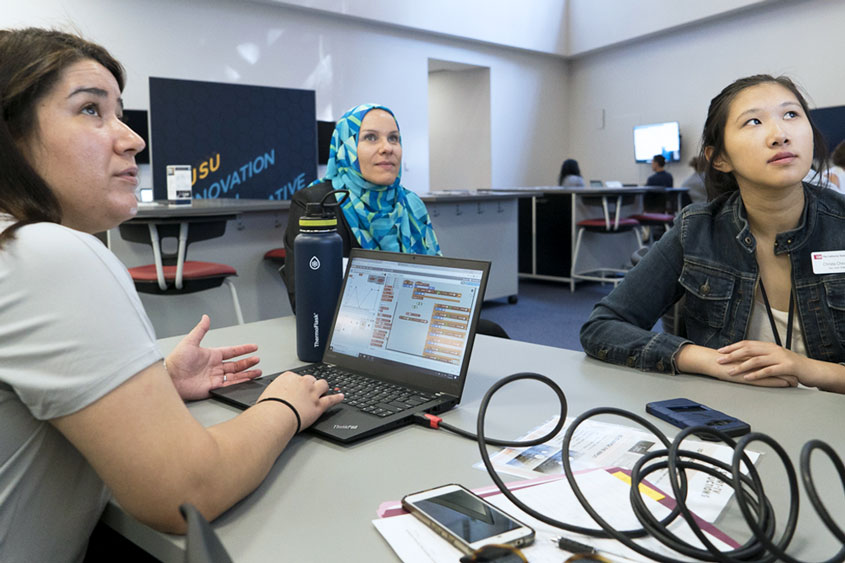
(830, 262)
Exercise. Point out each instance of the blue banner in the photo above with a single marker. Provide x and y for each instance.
(241, 141)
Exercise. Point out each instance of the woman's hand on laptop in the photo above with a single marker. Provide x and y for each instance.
(196, 370)
(305, 393)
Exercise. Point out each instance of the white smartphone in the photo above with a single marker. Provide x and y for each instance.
(465, 519)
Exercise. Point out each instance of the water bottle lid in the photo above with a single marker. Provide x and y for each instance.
(317, 216)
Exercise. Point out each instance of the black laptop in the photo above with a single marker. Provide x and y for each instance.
(400, 342)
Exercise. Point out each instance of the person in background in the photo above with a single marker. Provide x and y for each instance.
(695, 182)
(755, 309)
(570, 177)
(660, 176)
(88, 407)
(836, 174)
(365, 157)
(570, 174)
(657, 203)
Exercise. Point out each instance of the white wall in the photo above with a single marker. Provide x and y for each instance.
(536, 25)
(674, 76)
(346, 61)
(459, 129)
(594, 24)
(557, 27)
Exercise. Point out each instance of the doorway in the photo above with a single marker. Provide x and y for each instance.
(458, 126)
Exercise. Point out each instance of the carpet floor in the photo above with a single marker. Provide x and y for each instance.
(546, 312)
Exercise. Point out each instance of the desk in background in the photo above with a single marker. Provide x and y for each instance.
(256, 227)
(547, 227)
(319, 499)
(481, 226)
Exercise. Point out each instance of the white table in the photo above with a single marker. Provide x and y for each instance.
(318, 501)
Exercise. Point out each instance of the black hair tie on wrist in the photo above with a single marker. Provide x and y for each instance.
(295, 412)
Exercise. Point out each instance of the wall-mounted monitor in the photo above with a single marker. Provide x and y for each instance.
(657, 138)
(325, 129)
(136, 119)
(241, 141)
(831, 122)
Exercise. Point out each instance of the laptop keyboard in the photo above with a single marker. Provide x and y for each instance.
(366, 394)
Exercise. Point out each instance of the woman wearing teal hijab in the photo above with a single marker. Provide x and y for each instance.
(365, 158)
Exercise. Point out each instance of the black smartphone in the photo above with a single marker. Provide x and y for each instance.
(684, 413)
(465, 519)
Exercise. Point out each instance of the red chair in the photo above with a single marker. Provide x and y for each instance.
(277, 256)
(609, 223)
(654, 220)
(171, 273)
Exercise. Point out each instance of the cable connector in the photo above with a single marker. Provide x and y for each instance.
(429, 420)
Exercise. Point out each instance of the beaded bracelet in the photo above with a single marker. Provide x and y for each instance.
(295, 413)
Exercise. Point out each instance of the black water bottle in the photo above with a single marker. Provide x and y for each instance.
(318, 251)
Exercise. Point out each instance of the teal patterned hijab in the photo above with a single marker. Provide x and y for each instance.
(381, 217)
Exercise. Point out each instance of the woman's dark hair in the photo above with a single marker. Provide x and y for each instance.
(713, 136)
(568, 168)
(31, 63)
(837, 157)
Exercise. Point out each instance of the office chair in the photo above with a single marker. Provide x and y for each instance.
(201, 543)
(653, 221)
(609, 223)
(277, 256)
(172, 273)
(659, 213)
(491, 328)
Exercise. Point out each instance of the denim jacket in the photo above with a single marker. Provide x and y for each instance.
(709, 257)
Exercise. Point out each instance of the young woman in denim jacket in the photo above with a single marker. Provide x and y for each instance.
(754, 309)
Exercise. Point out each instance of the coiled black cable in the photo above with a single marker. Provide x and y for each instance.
(511, 443)
(812, 494)
(748, 488)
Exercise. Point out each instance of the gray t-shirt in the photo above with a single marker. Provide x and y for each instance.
(573, 181)
(697, 189)
(72, 329)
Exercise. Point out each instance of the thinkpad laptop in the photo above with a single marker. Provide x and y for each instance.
(400, 342)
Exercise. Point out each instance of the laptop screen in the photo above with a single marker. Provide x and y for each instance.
(415, 314)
